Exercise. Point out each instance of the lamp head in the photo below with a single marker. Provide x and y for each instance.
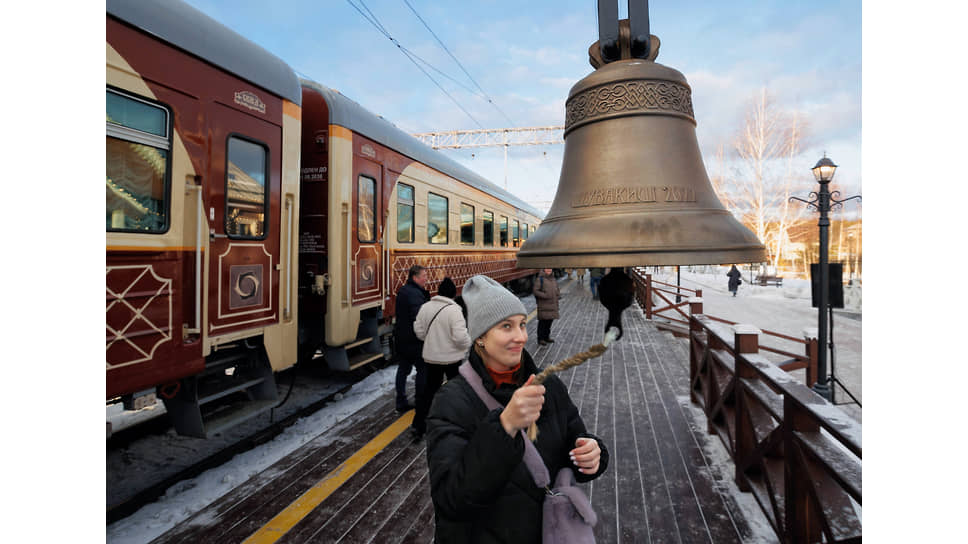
(824, 170)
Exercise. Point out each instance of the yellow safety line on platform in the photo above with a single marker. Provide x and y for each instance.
(531, 315)
(301, 507)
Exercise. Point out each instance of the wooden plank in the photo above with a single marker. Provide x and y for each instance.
(404, 525)
(706, 516)
(844, 428)
(660, 504)
(298, 484)
(630, 494)
(243, 510)
(766, 397)
(382, 497)
(843, 466)
(422, 530)
(839, 517)
(604, 491)
(342, 508)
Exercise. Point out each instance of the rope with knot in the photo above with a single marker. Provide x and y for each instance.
(565, 364)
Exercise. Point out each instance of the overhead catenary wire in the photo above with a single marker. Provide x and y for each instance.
(372, 18)
(432, 33)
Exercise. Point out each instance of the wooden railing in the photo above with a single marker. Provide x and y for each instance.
(798, 454)
(648, 290)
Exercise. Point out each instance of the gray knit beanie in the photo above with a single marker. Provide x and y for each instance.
(488, 303)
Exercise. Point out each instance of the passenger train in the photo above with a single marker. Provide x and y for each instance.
(255, 219)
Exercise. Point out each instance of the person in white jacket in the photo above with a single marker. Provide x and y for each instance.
(443, 329)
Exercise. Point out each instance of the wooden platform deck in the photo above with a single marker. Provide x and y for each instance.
(665, 483)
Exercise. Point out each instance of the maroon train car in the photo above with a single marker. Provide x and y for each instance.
(254, 220)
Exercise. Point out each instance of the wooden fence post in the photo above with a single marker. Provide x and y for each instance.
(711, 391)
(695, 306)
(801, 521)
(695, 350)
(812, 352)
(648, 296)
(745, 341)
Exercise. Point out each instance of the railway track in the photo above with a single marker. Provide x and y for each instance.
(146, 460)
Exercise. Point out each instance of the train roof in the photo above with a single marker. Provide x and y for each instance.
(347, 113)
(191, 30)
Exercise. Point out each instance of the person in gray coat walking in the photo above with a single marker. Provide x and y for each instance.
(546, 295)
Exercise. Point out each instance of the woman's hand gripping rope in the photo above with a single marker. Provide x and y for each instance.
(572, 361)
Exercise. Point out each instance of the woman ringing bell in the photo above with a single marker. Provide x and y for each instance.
(482, 489)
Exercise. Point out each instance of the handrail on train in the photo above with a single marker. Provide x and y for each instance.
(199, 221)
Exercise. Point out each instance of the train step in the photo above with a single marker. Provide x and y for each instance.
(232, 389)
(355, 354)
(361, 359)
(358, 343)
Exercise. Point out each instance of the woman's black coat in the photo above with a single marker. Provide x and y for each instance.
(734, 278)
(482, 491)
(410, 298)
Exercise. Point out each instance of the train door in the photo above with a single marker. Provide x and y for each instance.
(244, 212)
(367, 243)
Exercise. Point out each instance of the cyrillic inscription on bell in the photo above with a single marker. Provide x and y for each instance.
(633, 189)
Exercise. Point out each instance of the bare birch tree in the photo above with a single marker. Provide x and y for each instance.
(767, 148)
(788, 214)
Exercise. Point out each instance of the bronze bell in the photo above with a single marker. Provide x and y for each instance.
(633, 189)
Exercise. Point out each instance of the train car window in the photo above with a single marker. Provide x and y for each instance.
(488, 228)
(138, 150)
(504, 231)
(524, 232)
(436, 219)
(515, 233)
(404, 213)
(246, 201)
(366, 209)
(466, 224)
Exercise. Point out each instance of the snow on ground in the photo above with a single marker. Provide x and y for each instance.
(786, 310)
(187, 497)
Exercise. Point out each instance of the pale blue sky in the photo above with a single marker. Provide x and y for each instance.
(527, 55)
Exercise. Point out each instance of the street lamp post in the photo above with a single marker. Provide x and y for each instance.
(823, 199)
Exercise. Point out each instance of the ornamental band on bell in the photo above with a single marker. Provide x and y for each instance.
(629, 97)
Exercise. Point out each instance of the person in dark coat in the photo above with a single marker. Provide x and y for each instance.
(616, 292)
(409, 348)
(546, 295)
(481, 488)
(734, 279)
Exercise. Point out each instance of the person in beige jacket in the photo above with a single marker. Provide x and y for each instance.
(443, 329)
